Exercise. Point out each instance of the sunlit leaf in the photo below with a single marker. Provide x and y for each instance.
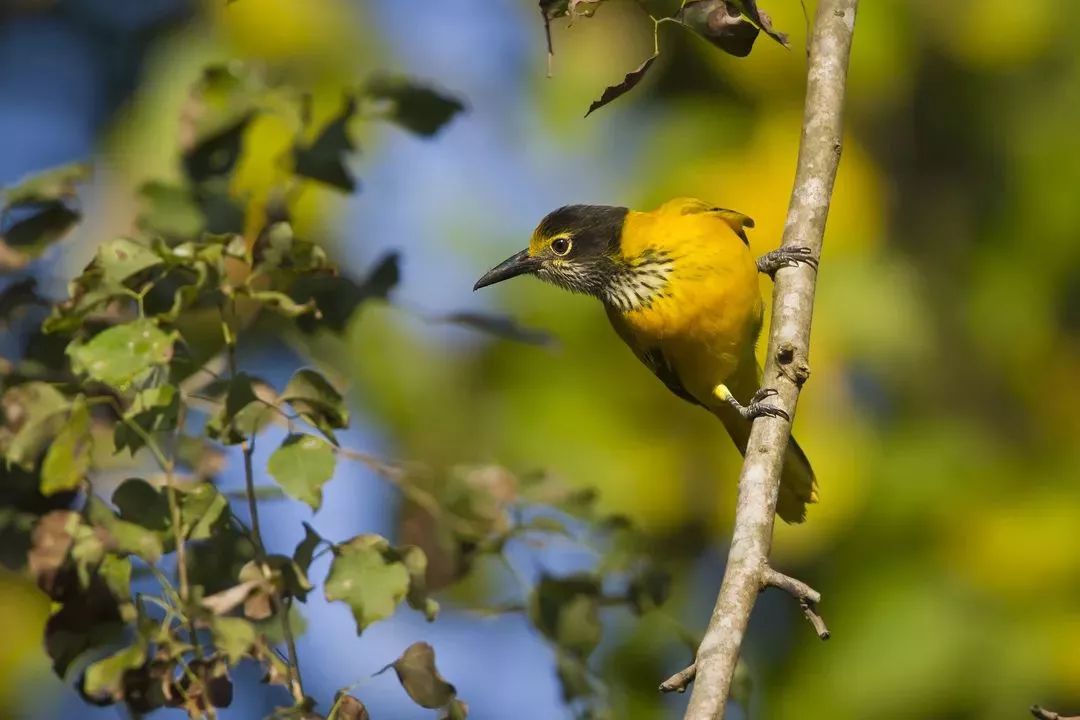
(68, 458)
(233, 636)
(169, 211)
(123, 537)
(365, 576)
(54, 184)
(302, 465)
(416, 563)
(34, 412)
(103, 681)
(124, 353)
(120, 258)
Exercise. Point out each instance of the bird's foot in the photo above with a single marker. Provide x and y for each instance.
(773, 260)
(757, 406)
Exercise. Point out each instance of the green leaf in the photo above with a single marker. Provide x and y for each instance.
(501, 326)
(30, 231)
(120, 258)
(567, 611)
(302, 465)
(416, 563)
(103, 681)
(316, 401)
(618, 90)
(34, 412)
(457, 710)
(305, 550)
(421, 679)
(124, 353)
(222, 104)
(365, 576)
(324, 159)
(338, 297)
(154, 410)
(233, 636)
(123, 537)
(169, 211)
(281, 303)
(68, 458)
(573, 677)
(202, 509)
(54, 184)
(243, 413)
(417, 108)
(34, 214)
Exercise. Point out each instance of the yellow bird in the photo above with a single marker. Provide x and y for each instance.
(680, 288)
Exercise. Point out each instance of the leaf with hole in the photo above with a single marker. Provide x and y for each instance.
(123, 354)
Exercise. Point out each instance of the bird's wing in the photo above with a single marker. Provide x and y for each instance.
(654, 359)
(691, 206)
(651, 357)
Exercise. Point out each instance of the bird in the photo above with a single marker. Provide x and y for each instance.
(680, 287)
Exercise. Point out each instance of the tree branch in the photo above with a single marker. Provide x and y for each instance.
(786, 367)
(1044, 714)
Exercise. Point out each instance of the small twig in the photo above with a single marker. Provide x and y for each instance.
(807, 596)
(296, 685)
(1044, 714)
(680, 680)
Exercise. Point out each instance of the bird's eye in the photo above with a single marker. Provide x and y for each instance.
(560, 246)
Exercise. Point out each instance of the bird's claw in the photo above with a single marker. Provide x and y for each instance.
(773, 260)
(757, 407)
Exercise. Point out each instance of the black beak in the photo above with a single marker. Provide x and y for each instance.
(517, 264)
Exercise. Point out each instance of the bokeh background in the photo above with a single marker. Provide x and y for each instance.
(941, 416)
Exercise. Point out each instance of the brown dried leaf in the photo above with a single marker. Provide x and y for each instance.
(628, 83)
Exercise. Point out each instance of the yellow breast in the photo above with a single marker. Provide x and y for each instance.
(708, 316)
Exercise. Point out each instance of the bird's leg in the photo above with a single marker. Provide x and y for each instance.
(773, 260)
(756, 408)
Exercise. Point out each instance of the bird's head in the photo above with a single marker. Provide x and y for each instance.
(575, 247)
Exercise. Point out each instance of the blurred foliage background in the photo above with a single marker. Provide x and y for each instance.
(941, 417)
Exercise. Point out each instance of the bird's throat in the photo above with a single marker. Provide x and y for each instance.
(637, 283)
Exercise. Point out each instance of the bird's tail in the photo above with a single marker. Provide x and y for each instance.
(798, 485)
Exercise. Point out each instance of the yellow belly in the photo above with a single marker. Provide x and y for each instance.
(707, 321)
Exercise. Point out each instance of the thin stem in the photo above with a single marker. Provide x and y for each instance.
(280, 609)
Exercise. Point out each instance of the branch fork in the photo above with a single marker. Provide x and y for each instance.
(808, 599)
